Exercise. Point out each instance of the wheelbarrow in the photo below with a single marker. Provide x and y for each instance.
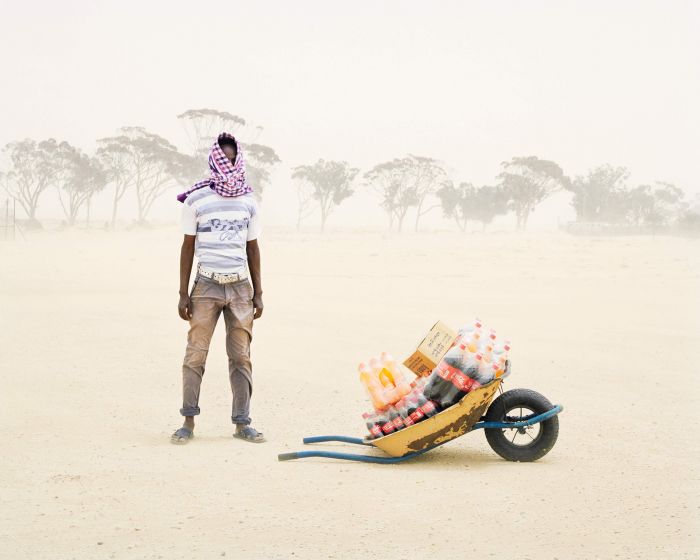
(520, 425)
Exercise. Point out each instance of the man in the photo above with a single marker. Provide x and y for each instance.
(221, 225)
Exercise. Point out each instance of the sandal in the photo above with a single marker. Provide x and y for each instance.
(248, 433)
(181, 436)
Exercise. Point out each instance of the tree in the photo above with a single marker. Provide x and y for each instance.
(406, 182)
(32, 171)
(427, 176)
(329, 182)
(527, 181)
(203, 125)
(260, 160)
(391, 181)
(467, 202)
(114, 156)
(146, 162)
(600, 195)
(78, 179)
(654, 206)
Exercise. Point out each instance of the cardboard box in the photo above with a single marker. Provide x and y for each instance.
(431, 349)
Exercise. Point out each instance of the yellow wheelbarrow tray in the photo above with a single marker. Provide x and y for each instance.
(465, 416)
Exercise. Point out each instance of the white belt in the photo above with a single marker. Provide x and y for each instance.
(219, 277)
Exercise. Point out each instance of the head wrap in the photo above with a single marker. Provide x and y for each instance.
(226, 179)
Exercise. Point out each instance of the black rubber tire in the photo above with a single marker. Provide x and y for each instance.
(549, 429)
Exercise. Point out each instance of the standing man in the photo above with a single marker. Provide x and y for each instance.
(221, 225)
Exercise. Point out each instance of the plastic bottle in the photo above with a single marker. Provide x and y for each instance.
(394, 368)
(462, 379)
(414, 409)
(386, 424)
(484, 372)
(395, 418)
(402, 409)
(502, 348)
(371, 383)
(439, 382)
(373, 425)
(428, 407)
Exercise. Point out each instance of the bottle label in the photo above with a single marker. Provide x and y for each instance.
(408, 421)
(417, 415)
(398, 423)
(446, 371)
(376, 431)
(388, 427)
(462, 381)
(428, 408)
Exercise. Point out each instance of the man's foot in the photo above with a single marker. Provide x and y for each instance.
(248, 433)
(182, 436)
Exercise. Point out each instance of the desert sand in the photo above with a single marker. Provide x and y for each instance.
(91, 355)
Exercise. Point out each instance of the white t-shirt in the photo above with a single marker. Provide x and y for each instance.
(222, 225)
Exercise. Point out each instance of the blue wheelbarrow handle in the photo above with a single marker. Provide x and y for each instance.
(556, 409)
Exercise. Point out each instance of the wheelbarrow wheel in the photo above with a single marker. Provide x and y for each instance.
(523, 444)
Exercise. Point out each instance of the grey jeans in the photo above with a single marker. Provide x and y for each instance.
(209, 299)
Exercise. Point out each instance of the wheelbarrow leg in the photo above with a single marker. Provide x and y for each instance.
(344, 439)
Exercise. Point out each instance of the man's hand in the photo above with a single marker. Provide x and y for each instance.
(257, 306)
(184, 308)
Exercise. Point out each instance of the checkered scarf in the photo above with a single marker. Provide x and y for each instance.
(227, 179)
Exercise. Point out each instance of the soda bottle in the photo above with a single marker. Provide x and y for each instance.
(439, 382)
(414, 409)
(402, 409)
(466, 330)
(502, 348)
(395, 418)
(373, 425)
(386, 424)
(462, 379)
(498, 364)
(428, 407)
(472, 342)
(484, 372)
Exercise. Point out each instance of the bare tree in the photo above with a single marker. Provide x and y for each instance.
(79, 178)
(330, 181)
(426, 177)
(305, 198)
(260, 160)
(527, 181)
(115, 156)
(203, 125)
(31, 172)
(391, 180)
(149, 164)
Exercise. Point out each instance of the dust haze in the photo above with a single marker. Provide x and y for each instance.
(533, 164)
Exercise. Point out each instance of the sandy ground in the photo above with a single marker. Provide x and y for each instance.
(90, 362)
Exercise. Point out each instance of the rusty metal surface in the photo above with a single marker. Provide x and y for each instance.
(444, 426)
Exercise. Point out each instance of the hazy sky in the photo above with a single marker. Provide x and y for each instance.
(472, 83)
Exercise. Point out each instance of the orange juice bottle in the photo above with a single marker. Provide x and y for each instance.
(403, 387)
(374, 390)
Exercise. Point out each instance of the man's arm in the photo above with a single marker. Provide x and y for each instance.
(184, 307)
(253, 251)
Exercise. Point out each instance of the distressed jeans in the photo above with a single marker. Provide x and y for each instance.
(209, 300)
